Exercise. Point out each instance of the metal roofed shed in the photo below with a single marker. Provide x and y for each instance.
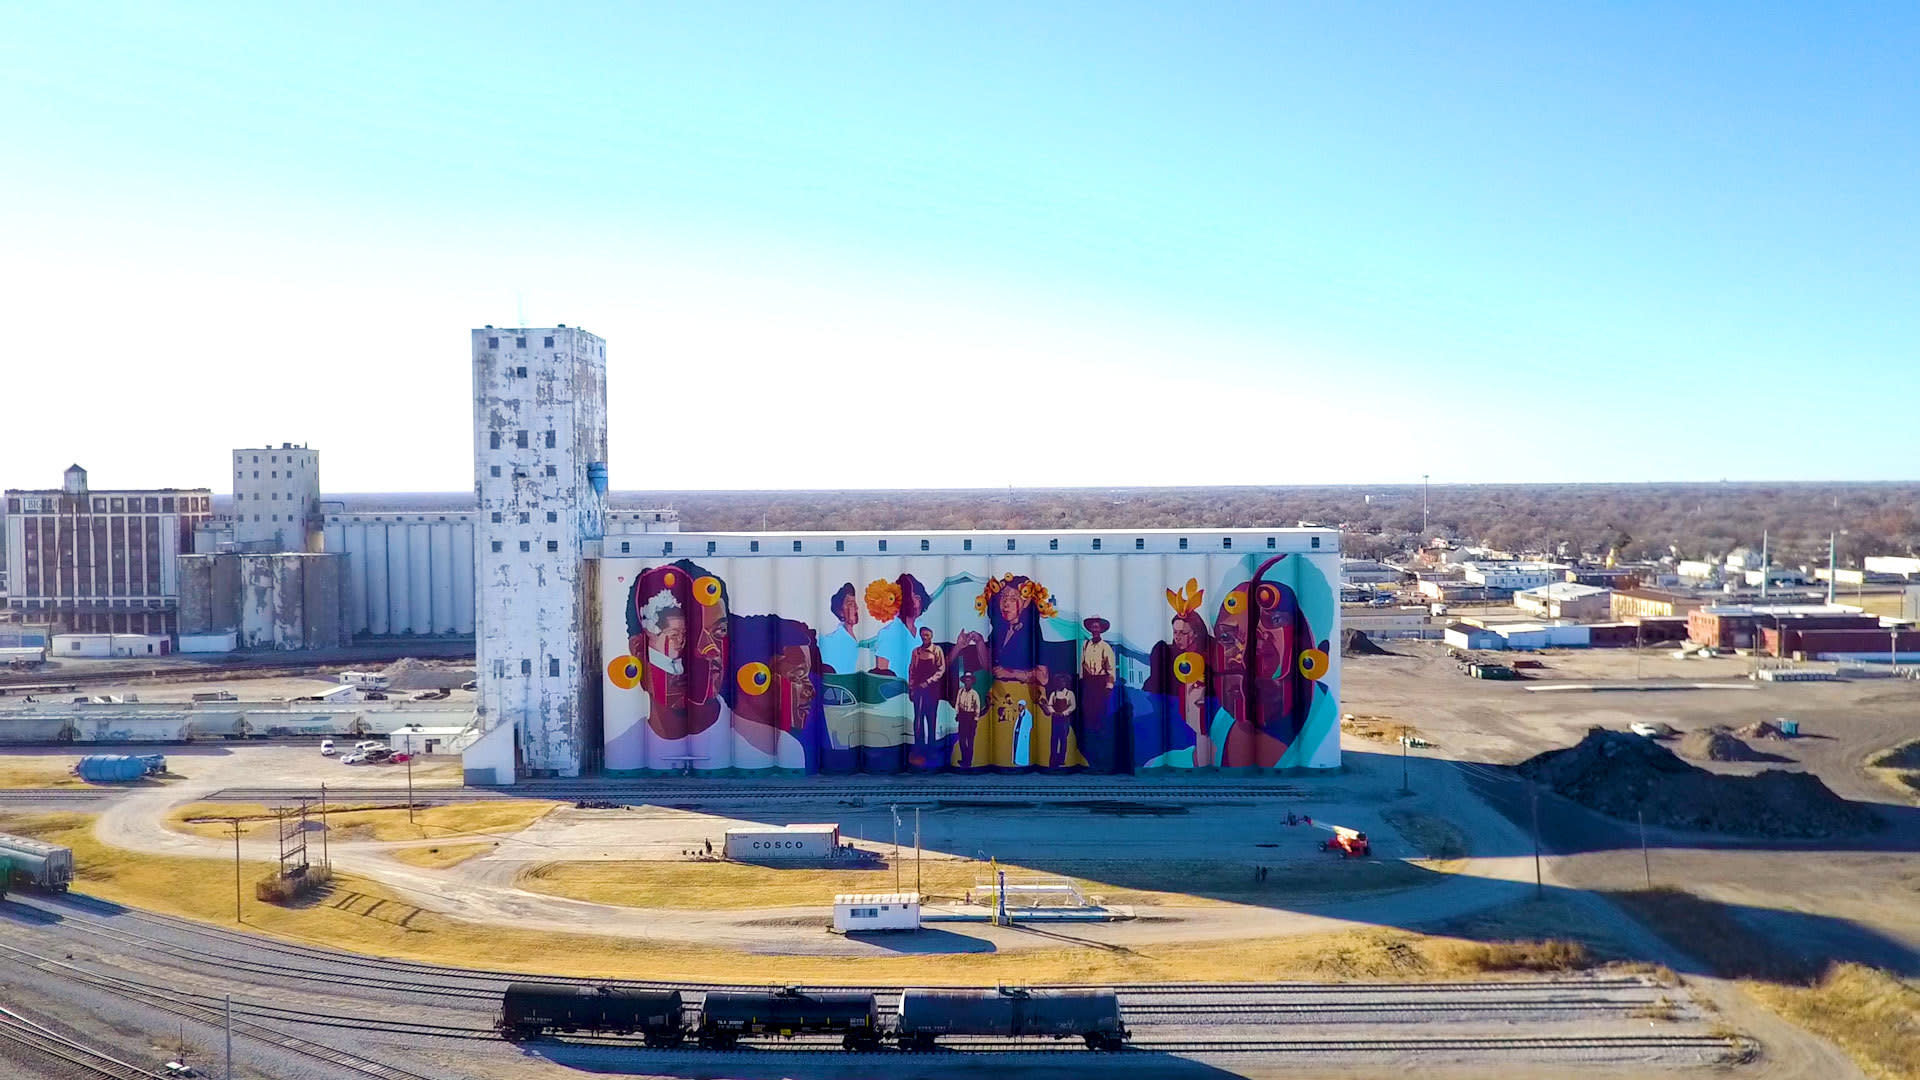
(781, 843)
(876, 911)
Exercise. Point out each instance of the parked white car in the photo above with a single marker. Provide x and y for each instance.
(326, 747)
(353, 759)
(1655, 730)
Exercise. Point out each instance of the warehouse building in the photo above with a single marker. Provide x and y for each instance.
(1653, 603)
(92, 561)
(1566, 600)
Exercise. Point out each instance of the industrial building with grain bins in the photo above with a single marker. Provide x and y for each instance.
(1111, 651)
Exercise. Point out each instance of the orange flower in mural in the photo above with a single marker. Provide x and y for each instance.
(883, 600)
(1031, 591)
(1186, 600)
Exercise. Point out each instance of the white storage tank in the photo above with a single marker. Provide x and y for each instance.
(765, 843)
(876, 911)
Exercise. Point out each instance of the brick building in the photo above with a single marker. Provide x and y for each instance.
(87, 561)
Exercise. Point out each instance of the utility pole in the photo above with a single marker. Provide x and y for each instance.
(1426, 506)
(1539, 884)
(326, 828)
(895, 809)
(229, 1072)
(1406, 738)
(1645, 861)
(410, 746)
(916, 849)
(236, 868)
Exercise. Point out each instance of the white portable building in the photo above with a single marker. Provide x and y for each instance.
(415, 739)
(876, 911)
(224, 641)
(757, 843)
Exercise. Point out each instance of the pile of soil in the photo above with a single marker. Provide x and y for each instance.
(1716, 744)
(1620, 774)
(408, 673)
(1357, 643)
(1761, 729)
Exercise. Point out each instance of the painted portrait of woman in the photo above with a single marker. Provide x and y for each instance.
(1022, 665)
(1177, 671)
(774, 693)
(677, 626)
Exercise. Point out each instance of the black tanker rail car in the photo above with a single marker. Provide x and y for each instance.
(1011, 1012)
(529, 1010)
(731, 1014)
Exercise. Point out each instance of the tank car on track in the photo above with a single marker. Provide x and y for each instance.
(529, 1010)
(1010, 1012)
(730, 1014)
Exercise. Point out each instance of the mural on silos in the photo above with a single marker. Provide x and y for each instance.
(1110, 664)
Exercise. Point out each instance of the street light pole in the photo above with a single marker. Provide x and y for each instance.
(410, 745)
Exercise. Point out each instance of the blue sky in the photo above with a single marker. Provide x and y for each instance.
(912, 245)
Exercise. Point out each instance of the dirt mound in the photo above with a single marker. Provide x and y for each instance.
(1904, 756)
(1717, 744)
(1760, 729)
(408, 673)
(1620, 774)
(1357, 643)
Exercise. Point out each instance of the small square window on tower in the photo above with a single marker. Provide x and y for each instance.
(667, 548)
(553, 545)
(519, 343)
(796, 545)
(520, 372)
(1053, 544)
(966, 545)
(712, 547)
(1010, 543)
(1183, 543)
(925, 545)
(549, 343)
(1315, 542)
(626, 547)
(1139, 543)
(1226, 542)
(1096, 543)
(553, 663)
(526, 545)
(526, 667)
(493, 343)
(1269, 542)
(553, 470)
(838, 545)
(552, 517)
(752, 545)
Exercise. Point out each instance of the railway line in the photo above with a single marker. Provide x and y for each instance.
(20, 1032)
(1094, 795)
(375, 1001)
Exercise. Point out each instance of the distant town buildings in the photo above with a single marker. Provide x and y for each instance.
(1565, 600)
(99, 561)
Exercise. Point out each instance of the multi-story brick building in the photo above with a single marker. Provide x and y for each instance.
(88, 561)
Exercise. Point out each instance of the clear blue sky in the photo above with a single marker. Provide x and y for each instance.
(905, 244)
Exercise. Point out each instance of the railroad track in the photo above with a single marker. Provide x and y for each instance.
(187, 1008)
(22, 1032)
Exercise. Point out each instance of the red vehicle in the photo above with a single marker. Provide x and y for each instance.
(1350, 843)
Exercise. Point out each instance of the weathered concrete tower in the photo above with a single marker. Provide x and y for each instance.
(539, 453)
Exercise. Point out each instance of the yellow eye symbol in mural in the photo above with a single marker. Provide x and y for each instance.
(707, 591)
(667, 579)
(1313, 663)
(754, 678)
(625, 671)
(1235, 600)
(1189, 667)
(1269, 596)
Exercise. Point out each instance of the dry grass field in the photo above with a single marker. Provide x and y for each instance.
(363, 821)
(442, 856)
(38, 772)
(718, 885)
(368, 917)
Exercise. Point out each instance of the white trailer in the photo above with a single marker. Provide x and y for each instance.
(365, 680)
(764, 843)
(876, 911)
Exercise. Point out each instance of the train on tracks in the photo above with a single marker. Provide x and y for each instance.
(35, 863)
(669, 1018)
